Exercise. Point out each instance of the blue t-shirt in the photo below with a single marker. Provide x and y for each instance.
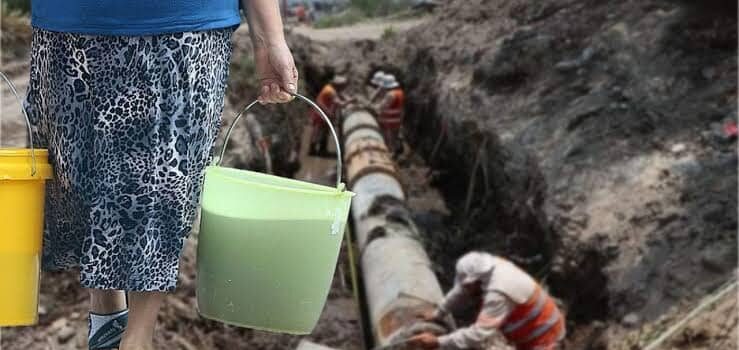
(133, 17)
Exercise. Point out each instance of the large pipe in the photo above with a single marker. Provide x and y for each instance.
(399, 283)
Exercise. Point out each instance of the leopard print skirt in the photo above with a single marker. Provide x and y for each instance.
(130, 123)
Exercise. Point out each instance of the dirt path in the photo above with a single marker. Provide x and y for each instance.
(372, 30)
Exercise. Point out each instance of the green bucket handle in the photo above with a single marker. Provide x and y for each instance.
(28, 121)
(339, 164)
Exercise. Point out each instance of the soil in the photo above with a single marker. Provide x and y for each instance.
(581, 140)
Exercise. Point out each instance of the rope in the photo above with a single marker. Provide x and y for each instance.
(698, 309)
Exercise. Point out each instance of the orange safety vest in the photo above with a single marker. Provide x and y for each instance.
(325, 100)
(391, 116)
(537, 322)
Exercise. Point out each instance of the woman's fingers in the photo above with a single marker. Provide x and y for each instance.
(270, 92)
(278, 94)
(264, 94)
(290, 79)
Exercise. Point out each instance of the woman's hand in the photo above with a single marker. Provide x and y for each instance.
(276, 72)
(274, 62)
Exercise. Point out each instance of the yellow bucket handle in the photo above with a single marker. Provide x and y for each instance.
(339, 165)
(28, 121)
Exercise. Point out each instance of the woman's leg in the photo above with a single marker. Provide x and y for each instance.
(105, 302)
(108, 317)
(142, 318)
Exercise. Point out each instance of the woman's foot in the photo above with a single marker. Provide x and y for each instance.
(106, 331)
(108, 319)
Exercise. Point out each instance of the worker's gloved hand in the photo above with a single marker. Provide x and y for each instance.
(424, 341)
(276, 72)
(434, 315)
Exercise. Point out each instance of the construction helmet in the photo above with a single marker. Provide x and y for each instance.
(377, 78)
(473, 267)
(390, 82)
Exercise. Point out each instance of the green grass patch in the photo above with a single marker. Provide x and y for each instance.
(378, 8)
(360, 10)
(344, 18)
(389, 33)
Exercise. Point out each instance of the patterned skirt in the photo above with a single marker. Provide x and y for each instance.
(130, 123)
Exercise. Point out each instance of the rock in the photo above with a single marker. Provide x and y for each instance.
(307, 345)
(59, 324)
(678, 148)
(65, 334)
(579, 62)
(514, 57)
(712, 261)
(42, 311)
(631, 320)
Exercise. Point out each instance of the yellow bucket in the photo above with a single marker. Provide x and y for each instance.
(23, 175)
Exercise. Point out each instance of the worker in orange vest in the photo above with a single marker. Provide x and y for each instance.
(391, 111)
(511, 302)
(376, 86)
(330, 99)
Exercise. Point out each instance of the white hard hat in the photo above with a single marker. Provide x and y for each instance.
(377, 78)
(390, 82)
(474, 266)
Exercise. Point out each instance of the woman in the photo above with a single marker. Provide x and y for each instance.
(127, 96)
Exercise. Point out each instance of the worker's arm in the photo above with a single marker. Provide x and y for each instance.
(386, 101)
(274, 62)
(496, 308)
(376, 95)
(341, 100)
(451, 302)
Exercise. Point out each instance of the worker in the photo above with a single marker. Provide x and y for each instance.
(376, 85)
(511, 302)
(330, 99)
(390, 112)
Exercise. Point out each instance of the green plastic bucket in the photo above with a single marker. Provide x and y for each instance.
(268, 246)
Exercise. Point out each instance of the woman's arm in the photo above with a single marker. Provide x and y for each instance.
(274, 62)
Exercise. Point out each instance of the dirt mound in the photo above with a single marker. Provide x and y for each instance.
(581, 139)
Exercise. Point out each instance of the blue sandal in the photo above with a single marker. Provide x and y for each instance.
(106, 331)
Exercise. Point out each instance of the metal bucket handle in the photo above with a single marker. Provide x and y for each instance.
(28, 121)
(339, 165)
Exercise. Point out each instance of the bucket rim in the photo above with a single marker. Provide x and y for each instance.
(22, 152)
(324, 190)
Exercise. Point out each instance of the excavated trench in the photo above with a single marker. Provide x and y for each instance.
(579, 140)
(496, 193)
(493, 193)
